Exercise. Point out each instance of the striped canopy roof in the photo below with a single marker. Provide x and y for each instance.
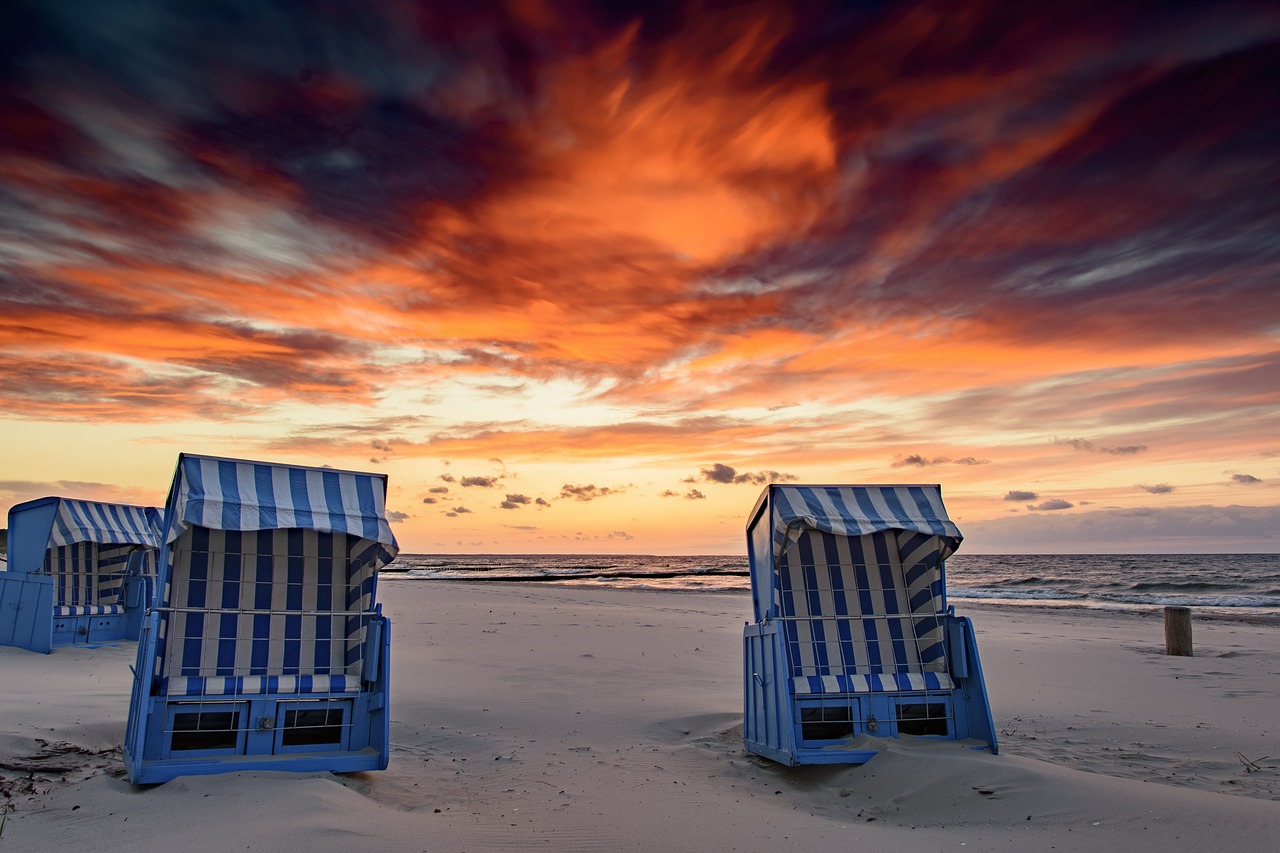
(104, 523)
(858, 511)
(234, 494)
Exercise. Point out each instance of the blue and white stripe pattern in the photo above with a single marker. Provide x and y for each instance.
(233, 494)
(271, 578)
(860, 511)
(860, 589)
(88, 552)
(104, 523)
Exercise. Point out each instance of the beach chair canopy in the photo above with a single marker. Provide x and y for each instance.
(36, 527)
(785, 515)
(234, 494)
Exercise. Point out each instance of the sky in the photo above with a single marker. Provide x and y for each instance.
(585, 277)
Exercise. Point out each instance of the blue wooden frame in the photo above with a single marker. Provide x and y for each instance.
(218, 685)
(33, 612)
(848, 706)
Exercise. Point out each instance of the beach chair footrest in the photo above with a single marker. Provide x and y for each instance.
(826, 685)
(88, 610)
(258, 685)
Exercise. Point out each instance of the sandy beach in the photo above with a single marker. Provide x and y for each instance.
(557, 718)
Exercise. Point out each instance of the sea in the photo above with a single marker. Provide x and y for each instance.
(1222, 584)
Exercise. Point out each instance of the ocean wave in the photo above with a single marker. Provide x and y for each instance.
(1015, 594)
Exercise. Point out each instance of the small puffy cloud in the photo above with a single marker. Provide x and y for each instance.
(429, 500)
(448, 478)
(1089, 447)
(1018, 495)
(1050, 505)
(920, 461)
(721, 473)
(1245, 479)
(1157, 488)
(668, 494)
(438, 490)
(695, 495)
(397, 517)
(587, 493)
(457, 511)
(514, 501)
(596, 537)
(541, 502)
(482, 482)
(382, 446)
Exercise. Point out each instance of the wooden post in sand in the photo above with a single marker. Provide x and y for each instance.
(1177, 631)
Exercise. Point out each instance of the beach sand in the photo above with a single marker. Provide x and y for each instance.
(563, 718)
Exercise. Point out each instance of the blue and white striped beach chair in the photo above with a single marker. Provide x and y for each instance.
(80, 572)
(853, 635)
(267, 649)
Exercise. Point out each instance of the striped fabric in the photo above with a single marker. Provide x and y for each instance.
(259, 685)
(88, 575)
(863, 613)
(89, 610)
(270, 579)
(811, 685)
(232, 494)
(265, 611)
(860, 511)
(105, 523)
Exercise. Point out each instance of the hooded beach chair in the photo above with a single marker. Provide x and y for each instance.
(80, 572)
(267, 649)
(853, 636)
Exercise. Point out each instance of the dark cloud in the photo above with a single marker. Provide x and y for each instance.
(448, 478)
(721, 473)
(515, 502)
(1020, 496)
(397, 517)
(541, 502)
(1088, 446)
(920, 461)
(1157, 488)
(482, 482)
(1245, 479)
(972, 460)
(588, 492)
(429, 500)
(694, 495)
(1050, 505)
(440, 490)
(457, 510)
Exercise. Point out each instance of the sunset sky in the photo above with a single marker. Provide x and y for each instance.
(582, 277)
